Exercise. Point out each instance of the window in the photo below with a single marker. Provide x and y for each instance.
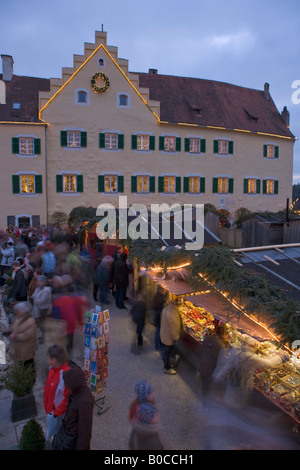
(143, 142)
(101, 62)
(69, 183)
(123, 100)
(73, 139)
(169, 184)
(16, 105)
(223, 147)
(111, 140)
(26, 146)
(270, 186)
(110, 183)
(194, 184)
(271, 151)
(27, 184)
(222, 185)
(82, 97)
(195, 145)
(170, 144)
(251, 186)
(142, 184)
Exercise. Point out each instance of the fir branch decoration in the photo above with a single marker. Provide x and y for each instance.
(94, 80)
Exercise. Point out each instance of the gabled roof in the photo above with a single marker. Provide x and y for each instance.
(24, 90)
(211, 103)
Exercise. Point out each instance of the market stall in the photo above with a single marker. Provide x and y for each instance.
(201, 310)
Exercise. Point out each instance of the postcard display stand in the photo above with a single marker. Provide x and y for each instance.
(96, 338)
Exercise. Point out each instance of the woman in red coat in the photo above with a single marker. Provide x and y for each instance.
(56, 396)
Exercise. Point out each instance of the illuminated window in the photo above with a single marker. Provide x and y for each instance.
(110, 183)
(26, 145)
(223, 185)
(271, 151)
(69, 184)
(169, 184)
(195, 145)
(270, 186)
(27, 184)
(170, 144)
(142, 184)
(223, 147)
(194, 184)
(143, 142)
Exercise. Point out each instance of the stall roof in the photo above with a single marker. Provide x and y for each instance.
(280, 264)
(214, 303)
(219, 307)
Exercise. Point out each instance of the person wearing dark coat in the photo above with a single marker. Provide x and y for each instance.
(120, 279)
(19, 286)
(103, 277)
(79, 414)
(138, 312)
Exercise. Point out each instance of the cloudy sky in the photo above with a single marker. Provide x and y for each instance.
(242, 42)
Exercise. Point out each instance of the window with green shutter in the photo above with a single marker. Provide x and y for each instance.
(120, 184)
(37, 146)
(178, 184)
(134, 142)
(194, 145)
(38, 184)
(102, 140)
(223, 147)
(15, 145)
(134, 184)
(270, 186)
(101, 184)
(15, 184)
(63, 138)
(121, 141)
(83, 139)
(271, 151)
(160, 184)
(73, 139)
(152, 184)
(59, 183)
(79, 183)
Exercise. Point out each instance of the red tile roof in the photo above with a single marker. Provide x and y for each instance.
(24, 90)
(212, 103)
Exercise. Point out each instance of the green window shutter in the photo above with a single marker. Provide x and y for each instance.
(230, 147)
(134, 143)
(275, 187)
(120, 141)
(202, 185)
(15, 145)
(160, 184)
(59, 183)
(120, 184)
(203, 146)
(276, 151)
(37, 146)
(102, 140)
(246, 186)
(152, 184)
(178, 184)
(215, 185)
(257, 186)
(178, 144)
(133, 184)
(186, 144)
(216, 146)
(161, 143)
(79, 183)
(101, 187)
(185, 184)
(63, 138)
(38, 182)
(264, 187)
(230, 185)
(15, 184)
(265, 151)
(83, 139)
(152, 142)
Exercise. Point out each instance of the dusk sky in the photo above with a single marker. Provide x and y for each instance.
(240, 42)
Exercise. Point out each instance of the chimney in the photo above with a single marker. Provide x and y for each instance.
(153, 71)
(7, 67)
(267, 91)
(285, 116)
